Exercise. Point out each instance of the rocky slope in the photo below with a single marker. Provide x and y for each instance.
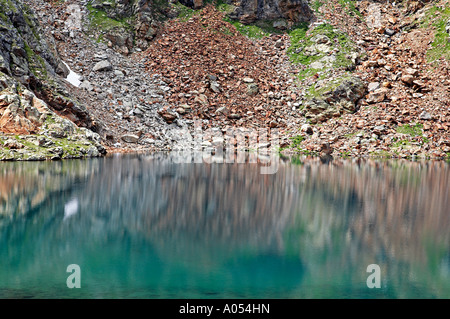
(349, 78)
(37, 116)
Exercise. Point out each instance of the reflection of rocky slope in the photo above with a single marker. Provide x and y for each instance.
(32, 96)
(341, 217)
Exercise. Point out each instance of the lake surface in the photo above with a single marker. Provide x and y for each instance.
(144, 226)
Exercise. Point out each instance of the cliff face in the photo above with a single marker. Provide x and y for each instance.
(33, 97)
(250, 10)
(32, 60)
(24, 53)
(137, 20)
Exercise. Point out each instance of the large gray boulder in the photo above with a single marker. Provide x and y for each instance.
(336, 101)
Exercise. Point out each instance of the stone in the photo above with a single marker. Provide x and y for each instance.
(273, 124)
(316, 65)
(118, 73)
(373, 86)
(377, 96)
(252, 89)
(101, 66)
(425, 116)
(57, 151)
(306, 128)
(407, 78)
(167, 116)
(56, 131)
(325, 48)
(87, 86)
(92, 151)
(321, 39)
(389, 32)
(201, 99)
(181, 111)
(280, 24)
(214, 86)
(336, 101)
(186, 107)
(380, 129)
(130, 138)
(13, 144)
(248, 80)
(411, 71)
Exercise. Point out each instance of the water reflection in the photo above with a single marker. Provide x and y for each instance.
(147, 227)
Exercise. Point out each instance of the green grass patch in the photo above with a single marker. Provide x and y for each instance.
(251, 30)
(315, 5)
(302, 39)
(100, 20)
(413, 130)
(7, 5)
(438, 17)
(296, 140)
(220, 5)
(36, 63)
(401, 144)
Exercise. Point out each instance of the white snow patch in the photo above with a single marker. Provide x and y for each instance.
(73, 78)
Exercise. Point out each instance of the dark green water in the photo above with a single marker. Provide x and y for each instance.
(145, 227)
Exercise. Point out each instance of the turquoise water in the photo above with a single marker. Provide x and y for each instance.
(143, 226)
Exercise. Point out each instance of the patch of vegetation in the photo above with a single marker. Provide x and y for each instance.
(296, 141)
(251, 30)
(220, 5)
(100, 20)
(7, 5)
(3, 17)
(401, 144)
(437, 18)
(381, 153)
(184, 13)
(415, 130)
(302, 39)
(316, 92)
(349, 7)
(317, 4)
(36, 63)
(345, 154)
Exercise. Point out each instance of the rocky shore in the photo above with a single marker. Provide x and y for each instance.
(345, 78)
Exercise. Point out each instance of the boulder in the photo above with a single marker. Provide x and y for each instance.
(101, 66)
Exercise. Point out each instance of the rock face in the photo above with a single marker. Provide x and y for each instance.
(248, 11)
(28, 57)
(20, 39)
(336, 101)
(141, 18)
(34, 132)
(32, 90)
(196, 4)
